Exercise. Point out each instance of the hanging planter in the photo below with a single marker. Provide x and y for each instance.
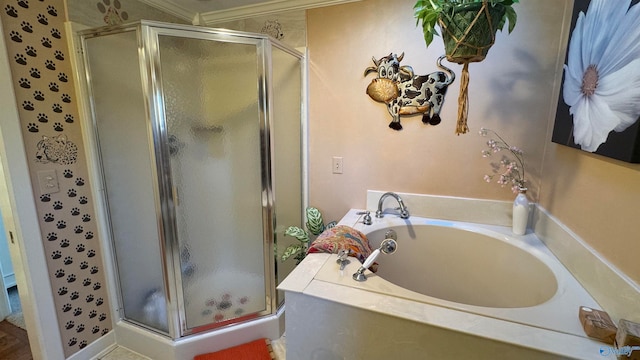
(468, 29)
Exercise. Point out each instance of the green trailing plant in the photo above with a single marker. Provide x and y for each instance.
(428, 12)
(315, 226)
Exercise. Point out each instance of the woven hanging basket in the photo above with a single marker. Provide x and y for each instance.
(468, 31)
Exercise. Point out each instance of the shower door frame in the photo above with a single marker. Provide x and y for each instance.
(148, 33)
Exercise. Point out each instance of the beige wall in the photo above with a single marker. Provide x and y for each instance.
(514, 91)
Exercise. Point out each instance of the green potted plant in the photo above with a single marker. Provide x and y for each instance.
(468, 29)
(315, 224)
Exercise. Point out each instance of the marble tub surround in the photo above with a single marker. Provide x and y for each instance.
(409, 324)
(491, 212)
(611, 288)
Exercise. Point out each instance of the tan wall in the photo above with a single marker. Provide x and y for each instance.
(514, 91)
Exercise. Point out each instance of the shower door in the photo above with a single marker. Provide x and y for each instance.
(186, 119)
(218, 172)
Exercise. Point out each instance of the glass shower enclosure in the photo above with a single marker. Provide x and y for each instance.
(199, 138)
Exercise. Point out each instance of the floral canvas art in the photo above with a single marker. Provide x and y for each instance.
(599, 103)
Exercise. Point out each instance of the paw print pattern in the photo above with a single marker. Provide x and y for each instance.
(61, 224)
(58, 127)
(57, 205)
(53, 87)
(43, 118)
(82, 344)
(102, 317)
(99, 301)
(20, 59)
(72, 193)
(66, 307)
(52, 236)
(67, 173)
(80, 328)
(83, 200)
(59, 273)
(69, 119)
(24, 3)
(91, 253)
(56, 108)
(42, 19)
(88, 235)
(38, 95)
(89, 298)
(52, 11)
(32, 127)
(46, 42)
(31, 51)
(105, 332)
(86, 282)
(93, 314)
(95, 329)
(66, 98)
(74, 295)
(64, 243)
(35, 73)
(68, 260)
(48, 217)
(71, 278)
(94, 270)
(69, 325)
(45, 197)
(86, 218)
(27, 105)
(63, 77)
(56, 33)
(80, 248)
(78, 229)
(56, 255)
(59, 55)
(24, 83)
(75, 211)
(97, 286)
(77, 311)
(26, 27)
(62, 291)
(15, 36)
(50, 65)
(72, 341)
(84, 265)
(11, 11)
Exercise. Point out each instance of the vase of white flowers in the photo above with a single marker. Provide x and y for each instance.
(509, 171)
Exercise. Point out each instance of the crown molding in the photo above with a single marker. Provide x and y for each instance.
(171, 8)
(265, 8)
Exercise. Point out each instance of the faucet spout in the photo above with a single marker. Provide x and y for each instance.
(404, 212)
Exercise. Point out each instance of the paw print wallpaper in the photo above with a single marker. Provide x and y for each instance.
(45, 96)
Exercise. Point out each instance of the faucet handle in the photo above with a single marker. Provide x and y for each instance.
(367, 217)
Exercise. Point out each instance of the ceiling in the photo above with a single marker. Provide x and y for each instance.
(204, 12)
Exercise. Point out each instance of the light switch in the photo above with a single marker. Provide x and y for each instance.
(48, 181)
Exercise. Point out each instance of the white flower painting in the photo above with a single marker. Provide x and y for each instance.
(602, 74)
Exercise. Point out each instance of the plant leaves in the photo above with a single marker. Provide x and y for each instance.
(290, 251)
(331, 224)
(297, 233)
(315, 223)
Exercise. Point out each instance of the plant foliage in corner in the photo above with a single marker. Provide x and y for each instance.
(429, 11)
(315, 225)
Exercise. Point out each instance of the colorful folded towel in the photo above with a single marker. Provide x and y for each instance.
(342, 237)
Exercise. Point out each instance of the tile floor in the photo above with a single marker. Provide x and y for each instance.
(120, 353)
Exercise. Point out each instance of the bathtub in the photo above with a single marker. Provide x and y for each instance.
(451, 290)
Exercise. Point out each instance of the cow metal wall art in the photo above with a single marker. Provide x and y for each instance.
(405, 93)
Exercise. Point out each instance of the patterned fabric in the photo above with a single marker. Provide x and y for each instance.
(339, 238)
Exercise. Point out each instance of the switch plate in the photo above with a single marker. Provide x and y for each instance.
(48, 181)
(337, 165)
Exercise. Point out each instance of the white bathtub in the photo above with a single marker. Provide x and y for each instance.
(450, 285)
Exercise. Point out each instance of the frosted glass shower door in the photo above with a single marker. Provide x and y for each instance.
(213, 131)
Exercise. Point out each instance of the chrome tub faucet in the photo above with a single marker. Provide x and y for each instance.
(404, 212)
